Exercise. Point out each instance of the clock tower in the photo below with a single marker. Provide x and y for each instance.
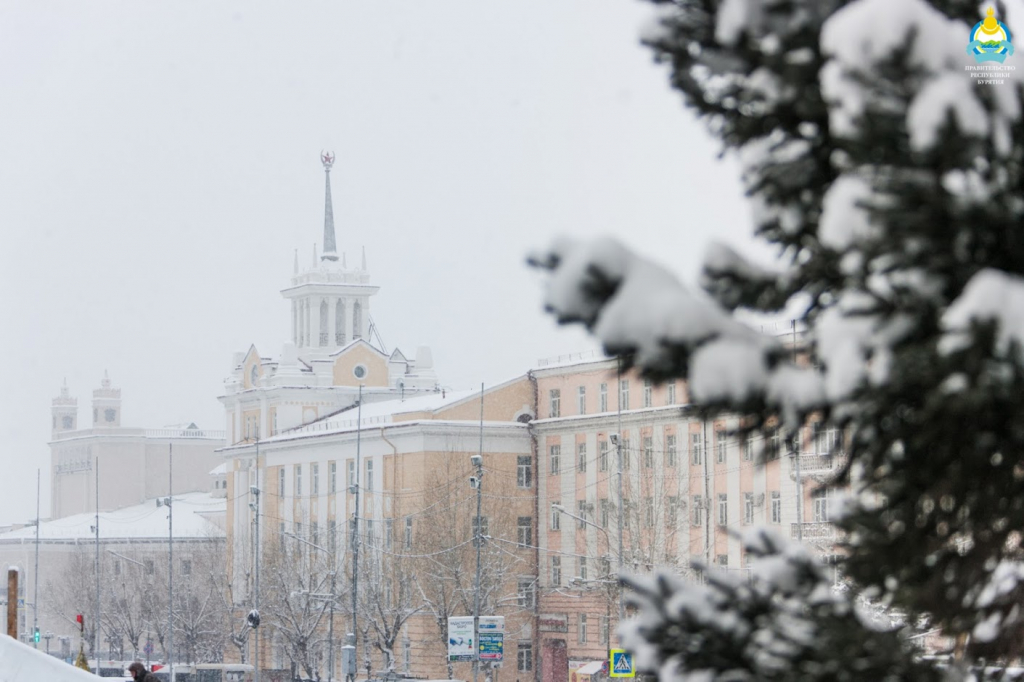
(106, 405)
(64, 410)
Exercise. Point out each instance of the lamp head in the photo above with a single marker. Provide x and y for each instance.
(476, 460)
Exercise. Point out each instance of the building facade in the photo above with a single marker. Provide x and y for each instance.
(686, 484)
(123, 465)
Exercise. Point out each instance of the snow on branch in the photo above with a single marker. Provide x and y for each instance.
(641, 311)
(784, 621)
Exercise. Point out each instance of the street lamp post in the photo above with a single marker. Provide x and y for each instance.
(478, 539)
(48, 636)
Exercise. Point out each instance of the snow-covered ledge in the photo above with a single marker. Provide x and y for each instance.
(22, 663)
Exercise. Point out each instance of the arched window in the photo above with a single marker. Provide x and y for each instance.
(339, 323)
(357, 320)
(323, 322)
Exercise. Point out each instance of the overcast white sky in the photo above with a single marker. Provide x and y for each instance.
(159, 165)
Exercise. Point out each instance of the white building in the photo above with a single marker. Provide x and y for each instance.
(123, 465)
(132, 552)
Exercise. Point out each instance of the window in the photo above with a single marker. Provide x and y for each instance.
(298, 480)
(670, 394)
(351, 474)
(581, 465)
(556, 456)
(389, 532)
(720, 443)
(581, 512)
(821, 498)
(524, 531)
(555, 398)
(723, 509)
(670, 450)
(148, 566)
(625, 453)
(314, 533)
(603, 629)
(556, 517)
(649, 511)
(525, 593)
(748, 508)
(273, 423)
(556, 570)
(776, 507)
(280, 482)
(748, 448)
(623, 394)
(697, 449)
(117, 567)
(722, 560)
(315, 472)
(648, 393)
(524, 657)
(776, 444)
(696, 513)
(369, 475)
(332, 536)
(648, 452)
(581, 633)
(604, 512)
(581, 399)
(408, 532)
(583, 567)
(407, 653)
(602, 398)
(602, 455)
(333, 484)
(826, 440)
(339, 323)
(524, 471)
(672, 511)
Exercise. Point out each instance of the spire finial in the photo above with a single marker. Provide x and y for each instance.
(343, 264)
(106, 379)
(314, 255)
(295, 267)
(364, 259)
(327, 158)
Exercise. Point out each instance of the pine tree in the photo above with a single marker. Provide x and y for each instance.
(890, 179)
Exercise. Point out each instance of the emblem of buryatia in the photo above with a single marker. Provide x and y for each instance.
(990, 40)
(328, 159)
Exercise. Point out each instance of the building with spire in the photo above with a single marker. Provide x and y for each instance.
(333, 347)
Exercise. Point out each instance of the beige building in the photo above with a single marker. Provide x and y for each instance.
(686, 482)
(126, 465)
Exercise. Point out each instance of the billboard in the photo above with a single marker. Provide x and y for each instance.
(460, 638)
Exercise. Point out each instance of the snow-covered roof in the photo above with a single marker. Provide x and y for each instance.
(140, 521)
(220, 469)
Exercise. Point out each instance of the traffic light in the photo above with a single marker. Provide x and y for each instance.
(80, 619)
(35, 636)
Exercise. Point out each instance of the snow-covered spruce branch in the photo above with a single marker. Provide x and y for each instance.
(786, 622)
(639, 310)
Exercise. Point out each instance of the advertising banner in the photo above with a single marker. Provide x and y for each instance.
(460, 638)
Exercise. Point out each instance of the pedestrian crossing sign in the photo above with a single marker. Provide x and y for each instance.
(621, 664)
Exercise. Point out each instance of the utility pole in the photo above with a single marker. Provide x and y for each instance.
(478, 460)
(254, 616)
(170, 560)
(355, 530)
(96, 529)
(622, 503)
(35, 589)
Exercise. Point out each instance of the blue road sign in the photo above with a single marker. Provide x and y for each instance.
(621, 664)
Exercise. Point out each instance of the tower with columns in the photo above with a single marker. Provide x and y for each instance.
(64, 410)
(330, 302)
(106, 404)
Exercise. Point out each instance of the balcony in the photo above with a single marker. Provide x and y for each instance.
(815, 532)
(812, 463)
